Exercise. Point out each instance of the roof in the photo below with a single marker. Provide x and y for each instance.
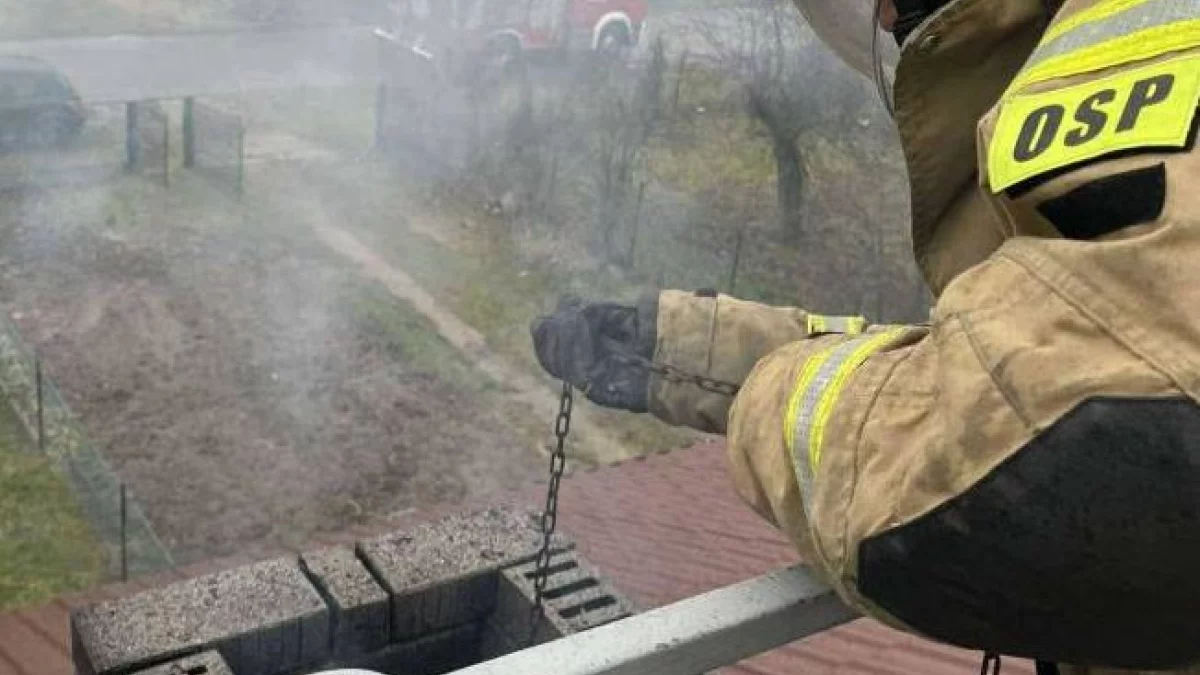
(669, 526)
(662, 528)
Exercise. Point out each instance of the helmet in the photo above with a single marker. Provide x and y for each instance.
(847, 27)
(851, 28)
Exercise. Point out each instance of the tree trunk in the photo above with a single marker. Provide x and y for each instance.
(789, 176)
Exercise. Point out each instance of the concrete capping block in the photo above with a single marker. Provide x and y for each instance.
(204, 663)
(514, 605)
(264, 618)
(446, 573)
(496, 642)
(572, 604)
(360, 612)
(440, 652)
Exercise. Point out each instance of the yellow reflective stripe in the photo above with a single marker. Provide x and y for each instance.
(1145, 44)
(803, 382)
(833, 391)
(1166, 123)
(1092, 14)
(849, 325)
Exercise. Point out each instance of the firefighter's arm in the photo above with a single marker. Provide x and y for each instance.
(719, 338)
(778, 422)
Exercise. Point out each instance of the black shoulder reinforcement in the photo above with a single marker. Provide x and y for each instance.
(1082, 548)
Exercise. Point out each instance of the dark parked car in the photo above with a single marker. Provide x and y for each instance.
(38, 106)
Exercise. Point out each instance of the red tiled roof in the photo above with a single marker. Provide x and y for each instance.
(662, 528)
(670, 526)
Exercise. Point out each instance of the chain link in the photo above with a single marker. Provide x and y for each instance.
(558, 463)
(673, 374)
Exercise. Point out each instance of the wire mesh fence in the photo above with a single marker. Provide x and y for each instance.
(116, 519)
(148, 137)
(214, 143)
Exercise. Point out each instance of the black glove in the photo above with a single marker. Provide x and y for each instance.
(600, 348)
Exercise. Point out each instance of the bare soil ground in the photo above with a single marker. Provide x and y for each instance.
(246, 382)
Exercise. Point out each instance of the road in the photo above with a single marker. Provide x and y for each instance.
(139, 67)
(736, 32)
(131, 67)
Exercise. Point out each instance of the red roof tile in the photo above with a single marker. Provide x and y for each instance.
(8, 667)
(663, 528)
(670, 526)
(24, 645)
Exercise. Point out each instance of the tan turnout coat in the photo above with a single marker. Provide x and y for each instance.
(1042, 303)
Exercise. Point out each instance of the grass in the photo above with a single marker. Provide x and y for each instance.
(482, 277)
(395, 327)
(342, 118)
(46, 547)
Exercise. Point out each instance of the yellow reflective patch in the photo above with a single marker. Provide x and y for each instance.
(1149, 107)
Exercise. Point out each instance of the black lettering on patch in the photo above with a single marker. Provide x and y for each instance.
(1091, 116)
(1038, 132)
(1144, 94)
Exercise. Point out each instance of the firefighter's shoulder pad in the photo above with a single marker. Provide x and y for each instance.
(1147, 107)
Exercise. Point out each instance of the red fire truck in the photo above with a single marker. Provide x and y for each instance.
(509, 28)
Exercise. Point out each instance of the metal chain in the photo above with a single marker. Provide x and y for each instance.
(673, 374)
(558, 462)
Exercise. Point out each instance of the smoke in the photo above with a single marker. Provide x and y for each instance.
(254, 385)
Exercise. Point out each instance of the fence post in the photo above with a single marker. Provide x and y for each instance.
(679, 72)
(380, 112)
(124, 544)
(631, 259)
(737, 256)
(41, 423)
(551, 183)
(166, 151)
(241, 151)
(189, 132)
(133, 148)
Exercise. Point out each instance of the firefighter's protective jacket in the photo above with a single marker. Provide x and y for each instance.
(1022, 473)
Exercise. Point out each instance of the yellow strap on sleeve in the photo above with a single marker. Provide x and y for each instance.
(819, 324)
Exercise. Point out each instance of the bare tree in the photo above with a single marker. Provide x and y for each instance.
(790, 82)
(627, 114)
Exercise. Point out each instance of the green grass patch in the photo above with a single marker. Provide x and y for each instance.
(483, 279)
(395, 327)
(46, 547)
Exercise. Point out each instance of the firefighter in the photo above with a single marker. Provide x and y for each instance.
(1021, 475)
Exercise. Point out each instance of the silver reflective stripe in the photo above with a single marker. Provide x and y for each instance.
(807, 411)
(1138, 18)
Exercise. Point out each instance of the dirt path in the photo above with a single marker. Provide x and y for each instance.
(249, 384)
(519, 385)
